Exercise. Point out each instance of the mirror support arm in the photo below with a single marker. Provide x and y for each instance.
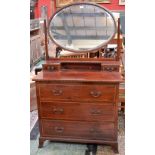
(46, 41)
(118, 41)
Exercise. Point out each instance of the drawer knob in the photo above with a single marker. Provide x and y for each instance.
(50, 68)
(58, 110)
(95, 93)
(92, 130)
(59, 129)
(57, 92)
(96, 112)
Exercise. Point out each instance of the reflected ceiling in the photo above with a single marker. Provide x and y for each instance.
(82, 27)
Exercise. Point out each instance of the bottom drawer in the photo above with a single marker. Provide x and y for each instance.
(76, 129)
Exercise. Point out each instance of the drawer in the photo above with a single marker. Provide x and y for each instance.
(77, 111)
(89, 92)
(76, 129)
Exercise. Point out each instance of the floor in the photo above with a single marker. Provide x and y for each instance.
(51, 148)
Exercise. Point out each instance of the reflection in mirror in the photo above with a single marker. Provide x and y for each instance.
(82, 27)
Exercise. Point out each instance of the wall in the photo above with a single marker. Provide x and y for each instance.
(38, 8)
(114, 5)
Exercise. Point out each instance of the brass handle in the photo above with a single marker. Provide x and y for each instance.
(50, 68)
(57, 92)
(95, 93)
(109, 69)
(92, 130)
(96, 112)
(58, 110)
(59, 129)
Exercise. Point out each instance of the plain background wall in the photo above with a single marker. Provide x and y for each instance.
(114, 5)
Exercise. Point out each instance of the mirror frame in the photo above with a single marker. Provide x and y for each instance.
(92, 49)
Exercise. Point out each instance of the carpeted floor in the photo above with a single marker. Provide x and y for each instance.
(51, 148)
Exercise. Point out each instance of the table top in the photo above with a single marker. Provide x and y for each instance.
(79, 76)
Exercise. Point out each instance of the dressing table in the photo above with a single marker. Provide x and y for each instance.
(77, 97)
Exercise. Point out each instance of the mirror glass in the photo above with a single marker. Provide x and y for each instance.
(82, 27)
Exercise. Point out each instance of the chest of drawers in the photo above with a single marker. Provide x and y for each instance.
(78, 107)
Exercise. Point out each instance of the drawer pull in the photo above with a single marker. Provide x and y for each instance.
(92, 130)
(95, 93)
(57, 92)
(96, 112)
(58, 110)
(50, 68)
(59, 129)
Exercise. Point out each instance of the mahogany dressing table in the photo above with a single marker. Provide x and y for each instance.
(77, 98)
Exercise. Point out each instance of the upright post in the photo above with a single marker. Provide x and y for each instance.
(118, 41)
(46, 40)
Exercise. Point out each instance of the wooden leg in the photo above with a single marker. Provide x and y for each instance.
(87, 152)
(92, 149)
(41, 142)
(115, 147)
(123, 105)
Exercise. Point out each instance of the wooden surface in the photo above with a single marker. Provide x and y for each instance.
(108, 77)
(77, 65)
(54, 148)
(78, 106)
(79, 130)
(33, 101)
(78, 100)
(62, 111)
(84, 60)
(72, 91)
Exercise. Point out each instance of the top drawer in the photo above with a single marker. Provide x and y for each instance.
(75, 92)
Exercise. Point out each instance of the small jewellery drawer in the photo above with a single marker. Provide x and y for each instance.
(84, 92)
(77, 111)
(76, 129)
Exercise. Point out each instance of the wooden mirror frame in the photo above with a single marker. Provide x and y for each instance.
(92, 49)
(117, 58)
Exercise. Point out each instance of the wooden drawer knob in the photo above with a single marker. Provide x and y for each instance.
(58, 110)
(50, 68)
(95, 93)
(96, 112)
(92, 130)
(59, 129)
(57, 92)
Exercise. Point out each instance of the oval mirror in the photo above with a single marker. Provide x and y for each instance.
(82, 27)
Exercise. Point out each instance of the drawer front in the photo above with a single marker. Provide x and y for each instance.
(77, 92)
(81, 130)
(77, 111)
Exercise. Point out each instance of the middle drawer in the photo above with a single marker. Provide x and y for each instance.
(77, 111)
